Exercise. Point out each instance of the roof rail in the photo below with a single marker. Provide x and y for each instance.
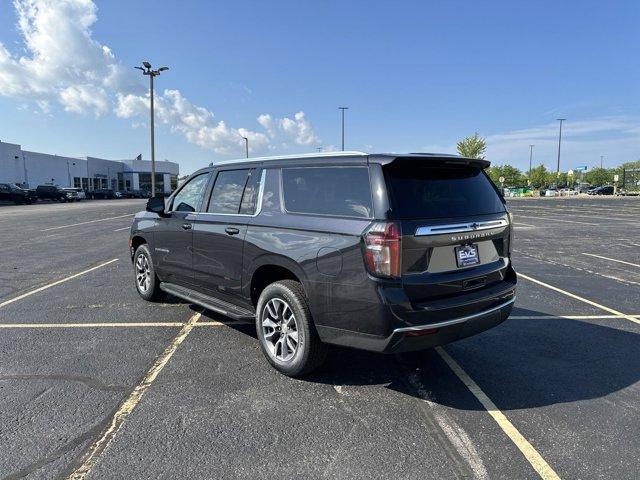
(293, 157)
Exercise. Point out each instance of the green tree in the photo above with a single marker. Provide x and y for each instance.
(472, 147)
(512, 176)
(599, 176)
(539, 176)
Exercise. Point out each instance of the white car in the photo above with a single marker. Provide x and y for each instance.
(551, 193)
(76, 194)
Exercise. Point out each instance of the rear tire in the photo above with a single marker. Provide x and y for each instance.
(147, 282)
(288, 338)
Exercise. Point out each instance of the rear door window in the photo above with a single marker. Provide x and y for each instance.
(227, 192)
(335, 191)
(440, 190)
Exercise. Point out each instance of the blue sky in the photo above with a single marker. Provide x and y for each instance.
(417, 76)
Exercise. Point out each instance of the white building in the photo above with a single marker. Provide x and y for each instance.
(31, 169)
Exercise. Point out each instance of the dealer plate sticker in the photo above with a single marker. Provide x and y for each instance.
(467, 255)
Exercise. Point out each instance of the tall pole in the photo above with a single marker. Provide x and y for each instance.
(530, 159)
(559, 143)
(601, 160)
(153, 141)
(246, 146)
(148, 70)
(342, 110)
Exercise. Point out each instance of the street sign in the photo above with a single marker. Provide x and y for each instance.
(501, 179)
(582, 168)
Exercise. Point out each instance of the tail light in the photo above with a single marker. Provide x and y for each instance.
(510, 246)
(382, 250)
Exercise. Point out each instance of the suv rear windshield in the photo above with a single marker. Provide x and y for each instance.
(440, 190)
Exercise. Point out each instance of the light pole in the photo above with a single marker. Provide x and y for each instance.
(246, 146)
(148, 70)
(559, 142)
(601, 160)
(342, 110)
(530, 159)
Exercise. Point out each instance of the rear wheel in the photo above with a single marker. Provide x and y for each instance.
(147, 282)
(285, 329)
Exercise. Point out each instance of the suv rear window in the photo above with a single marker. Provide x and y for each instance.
(336, 191)
(440, 190)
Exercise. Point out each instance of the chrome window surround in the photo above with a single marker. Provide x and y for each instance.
(454, 320)
(258, 202)
(460, 228)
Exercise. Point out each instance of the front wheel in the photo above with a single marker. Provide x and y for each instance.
(147, 283)
(285, 329)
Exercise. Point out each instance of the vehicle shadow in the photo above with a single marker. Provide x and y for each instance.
(523, 363)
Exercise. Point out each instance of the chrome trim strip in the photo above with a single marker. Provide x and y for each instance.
(459, 228)
(446, 323)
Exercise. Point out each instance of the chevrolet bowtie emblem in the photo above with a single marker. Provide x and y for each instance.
(474, 226)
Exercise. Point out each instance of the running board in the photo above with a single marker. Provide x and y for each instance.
(209, 302)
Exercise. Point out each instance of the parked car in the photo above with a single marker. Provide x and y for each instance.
(12, 193)
(388, 253)
(51, 192)
(604, 190)
(550, 192)
(105, 193)
(75, 194)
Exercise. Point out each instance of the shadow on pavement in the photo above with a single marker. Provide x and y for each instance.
(519, 364)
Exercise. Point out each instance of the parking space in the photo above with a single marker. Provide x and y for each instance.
(98, 383)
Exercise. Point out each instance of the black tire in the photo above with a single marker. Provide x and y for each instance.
(150, 288)
(310, 353)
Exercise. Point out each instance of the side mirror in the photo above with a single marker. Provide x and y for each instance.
(156, 205)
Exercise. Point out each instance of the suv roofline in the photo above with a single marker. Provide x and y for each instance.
(382, 158)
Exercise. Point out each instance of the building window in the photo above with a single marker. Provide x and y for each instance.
(77, 182)
(174, 182)
(145, 183)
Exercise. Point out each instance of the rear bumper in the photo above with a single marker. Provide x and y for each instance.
(420, 337)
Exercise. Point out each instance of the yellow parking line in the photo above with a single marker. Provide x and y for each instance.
(530, 453)
(611, 259)
(582, 299)
(85, 223)
(125, 409)
(212, 323)
(58, 282)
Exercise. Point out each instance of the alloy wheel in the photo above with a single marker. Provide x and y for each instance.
(280, 329)
(143, 273)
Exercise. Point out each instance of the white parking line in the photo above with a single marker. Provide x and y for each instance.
(85, 223)
(569, 317)
(530, 453)
(557, 220)
(94, 452)
(518, 224)
(611, 259)
(120, 229)
(582, 299)
(58, 282)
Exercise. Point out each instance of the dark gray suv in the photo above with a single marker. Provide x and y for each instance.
(383, 252)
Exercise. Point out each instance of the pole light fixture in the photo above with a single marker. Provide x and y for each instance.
(559, 143)
(342, 109)
(147, 69)
(530, 159)
(246, 145)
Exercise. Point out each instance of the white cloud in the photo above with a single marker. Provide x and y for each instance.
(64, 65)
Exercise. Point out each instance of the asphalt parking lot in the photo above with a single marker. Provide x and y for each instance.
(94, 381)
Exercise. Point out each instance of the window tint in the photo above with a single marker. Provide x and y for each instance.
(188, 199)
(250, 196)
(227, 191)
(440, 191)
(339, 191)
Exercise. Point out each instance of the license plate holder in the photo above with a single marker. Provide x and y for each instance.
(467, 255)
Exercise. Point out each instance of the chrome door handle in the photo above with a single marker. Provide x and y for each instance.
(232, 230)
(186, 226)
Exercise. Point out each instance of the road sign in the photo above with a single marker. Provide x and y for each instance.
(501, 179)
(581, 168)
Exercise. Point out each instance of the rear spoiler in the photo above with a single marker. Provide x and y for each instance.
(430, 157)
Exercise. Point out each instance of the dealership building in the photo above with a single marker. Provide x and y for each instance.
(30, 169)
